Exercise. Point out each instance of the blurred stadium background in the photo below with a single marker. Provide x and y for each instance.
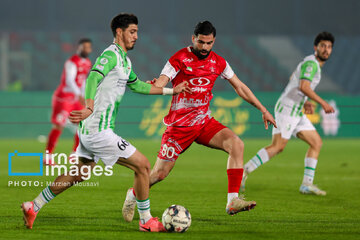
(262, 40)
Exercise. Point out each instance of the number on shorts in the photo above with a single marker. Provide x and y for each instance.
(123, 144)
(169, 152)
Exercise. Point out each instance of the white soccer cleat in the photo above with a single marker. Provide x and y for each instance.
(311, 189)
(238, 204)
(128, 209)
(242, 186)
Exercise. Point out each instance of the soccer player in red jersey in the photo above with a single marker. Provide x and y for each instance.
(189, 118)
(69, 95)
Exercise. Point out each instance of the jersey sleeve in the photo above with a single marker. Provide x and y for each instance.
(105, 63)
(308, 70)
(172, 67)
(70, 76)
(228, 72)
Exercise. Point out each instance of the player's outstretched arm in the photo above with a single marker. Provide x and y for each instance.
(243, 91)
(306, 89)
(147, 88)
(160, 82)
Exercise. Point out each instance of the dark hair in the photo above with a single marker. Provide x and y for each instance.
(204, 28)
(324, 36)
(84, 40)
(123, 20)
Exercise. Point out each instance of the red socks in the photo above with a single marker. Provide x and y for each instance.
(52, 139)
(234, 179)
(76, 142)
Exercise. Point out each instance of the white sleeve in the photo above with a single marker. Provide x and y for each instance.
(169, 71)
(82, 89)
(70, 75)
(228, 72)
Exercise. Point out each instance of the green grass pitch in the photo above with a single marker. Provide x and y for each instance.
(198, 182)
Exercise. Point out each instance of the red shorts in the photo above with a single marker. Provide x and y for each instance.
(176, 140)
(61, 110)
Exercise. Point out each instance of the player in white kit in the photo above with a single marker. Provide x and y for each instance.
(105, 87)
(290, 118)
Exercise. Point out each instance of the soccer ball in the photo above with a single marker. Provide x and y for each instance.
(176, 218)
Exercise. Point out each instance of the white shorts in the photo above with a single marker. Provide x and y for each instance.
(104, 145)
(287, 125)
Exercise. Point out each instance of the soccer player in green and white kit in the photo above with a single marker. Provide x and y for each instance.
(105, 86)
(290, 118)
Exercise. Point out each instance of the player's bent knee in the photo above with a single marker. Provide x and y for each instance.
(144, 166)
(234, 144)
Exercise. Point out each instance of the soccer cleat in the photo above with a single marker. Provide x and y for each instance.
(242, 186)
(128, 209)
(29, 214)
(153, 225)
(311, 189)
(238, 204)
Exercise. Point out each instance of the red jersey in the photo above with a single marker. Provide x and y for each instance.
(193, 109)
(73, 78)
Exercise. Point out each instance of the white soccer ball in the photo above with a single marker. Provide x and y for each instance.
(176, 218)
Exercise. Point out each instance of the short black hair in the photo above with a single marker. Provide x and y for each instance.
(123, 20)
(84, 40)
(204, 28)
(324, 36)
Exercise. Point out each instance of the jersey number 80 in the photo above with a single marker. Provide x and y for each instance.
(168, 152)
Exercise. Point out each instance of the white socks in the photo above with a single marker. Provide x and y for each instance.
(144, 210)
(309, 172)
(259, 159)
(44, 197)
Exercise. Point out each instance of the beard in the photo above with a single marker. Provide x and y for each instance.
(84, 54)
(198, 53)
(322, 59)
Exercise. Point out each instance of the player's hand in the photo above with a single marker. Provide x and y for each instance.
(79, 115)
(268, 119)
(182, 87)
(152, 81)
(328, 108)
(308, 107)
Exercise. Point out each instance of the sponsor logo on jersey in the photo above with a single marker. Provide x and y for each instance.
(201, 81)
(198, 89)
(307, 75)
(100, 67)
(212, 61)
(188, 60)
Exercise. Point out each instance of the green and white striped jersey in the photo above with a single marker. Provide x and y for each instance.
(114, 71)
(292, 99)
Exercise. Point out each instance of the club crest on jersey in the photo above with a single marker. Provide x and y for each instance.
(104, 61)
(201, 81)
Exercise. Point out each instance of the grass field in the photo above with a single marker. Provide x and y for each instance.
(198, 182)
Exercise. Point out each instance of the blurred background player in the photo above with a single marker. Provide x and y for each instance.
(105, 88)
(290, 118)
(69, 95)
(189, 118)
